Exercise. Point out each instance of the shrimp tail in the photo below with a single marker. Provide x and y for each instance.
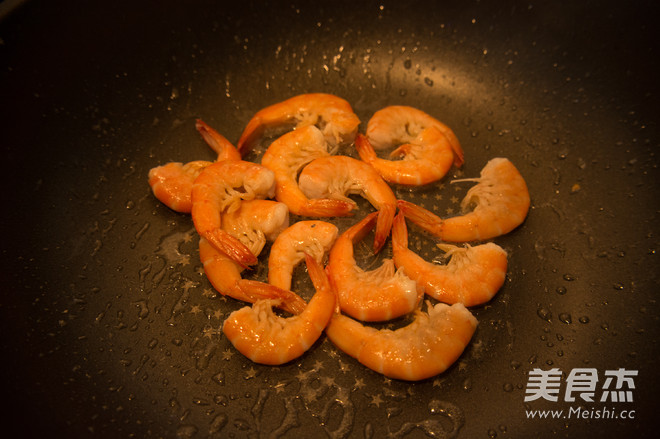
(287, 300)
(231, 246)
(399, 232)
(365, 149)
(422, 217)
(383, 225)
(217, 142)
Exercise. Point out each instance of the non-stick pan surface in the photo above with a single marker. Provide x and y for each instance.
(109, 327)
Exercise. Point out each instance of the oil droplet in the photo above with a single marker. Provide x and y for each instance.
(618, 286)
(186, 431)
(467, 385)
(492, 434)
(565, 318)
(428, 81)
(407, 64)
(569, 277)
(515, 364)
(544, 313)
(584, 319)
(508, 387)
(219, 378)
(561, 290)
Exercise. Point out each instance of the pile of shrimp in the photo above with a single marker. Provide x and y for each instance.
(238, 206)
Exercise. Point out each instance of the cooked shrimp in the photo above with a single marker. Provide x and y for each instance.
(254, 223)
(172, 183)
(425, 158)
(285, 157)
(376, 295)
(335, 177)
(220, 188)
(331, 114)
(501, 201)
(402, 124)
(266, 338)
(426, 347)
(314, 238)
(472, 276)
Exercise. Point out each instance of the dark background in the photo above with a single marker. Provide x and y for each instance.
(108, 327)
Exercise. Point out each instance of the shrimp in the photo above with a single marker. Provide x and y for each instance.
(172, 183)
(424, 348)
(314, 238)
(399, 123)
(285, 157)
(472, 276)
(219, 189)
(331, 114)
(266, 338)
(501, 198)
(376, 295)
(254, 223)
(335, 177)
(425, 158)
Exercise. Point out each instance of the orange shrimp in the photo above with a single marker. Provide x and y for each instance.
(473, 275)
(425, 158)
(376, 295)
(220, 188)
(501, 201)
(332, 114)
(314, 238)
(402, 124)
(334, 177)
(254, 223)
(172, 183)
(424, 348)
(266, 338)
(285, 157)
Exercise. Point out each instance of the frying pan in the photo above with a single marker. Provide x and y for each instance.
(110, 329)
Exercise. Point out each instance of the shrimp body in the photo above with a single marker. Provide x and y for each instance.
(400, 124)
(426, 347)
(266, 338)
(336, 177)
(424, 159)
(219, 188)
(376, 295)
(314, 238)
(331, 114)
(472, 276)
(285, 157)
(501, 201)
(172, 183)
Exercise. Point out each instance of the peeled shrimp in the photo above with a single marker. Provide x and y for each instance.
(501, 201)
(402, 124)
(335, 177)
(266, 338)
(314, 238)
(285, 157)
(172, 183)
(425, 158)
(254, 223)
(331, 114)
(376, 295)
(219, 188)
(426, 347)
(427, 146)
(472, 276)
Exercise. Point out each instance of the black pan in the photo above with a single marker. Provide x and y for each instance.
(110, 329)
